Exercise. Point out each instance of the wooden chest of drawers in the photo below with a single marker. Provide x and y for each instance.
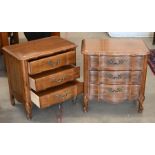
(114, 70)
(43, 72)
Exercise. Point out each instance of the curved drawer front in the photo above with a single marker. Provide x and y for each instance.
(51, 62)
(114, 93)
(57, 95)
(54, 78)
(114, 77)
(115, 62)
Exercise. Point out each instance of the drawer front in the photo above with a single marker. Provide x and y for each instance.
(51, 62)
(114, 93)
(51, 79)
(115, 62)
(59, 95)
(114, 77)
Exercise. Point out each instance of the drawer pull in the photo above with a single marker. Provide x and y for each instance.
(116, 77)
(59, 80)
(116, 62)
(118, 90)
(62, 96)
(53, 64)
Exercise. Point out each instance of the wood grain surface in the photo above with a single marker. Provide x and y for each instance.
(39, 48)
(52, 62)
(116, 62)
(114, 77)
(114, 70)
(54, 78)
(57, 95)
(48, 67)
(114, 47)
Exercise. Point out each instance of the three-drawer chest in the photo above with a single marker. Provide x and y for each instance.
(42, 72)
(114, 70)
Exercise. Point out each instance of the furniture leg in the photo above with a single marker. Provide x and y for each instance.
(28, 103)
(85, 104)
(142, 90)
(85, 73)
(60, 113)
(12, 99)
(28, 109)
(141, 104)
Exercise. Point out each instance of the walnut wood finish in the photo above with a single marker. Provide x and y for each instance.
(142, 86)
(14, 38)
(86, 83)
(51, 62)
(114, 77)
(113, 93)
(114, 47)
(57, 95)
(23, 60)
(53, 78)
(114, 70)
(16, 75)
(39, 48)
(115, 62)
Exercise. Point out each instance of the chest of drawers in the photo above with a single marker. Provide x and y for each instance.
(42, 72)
(114, 70)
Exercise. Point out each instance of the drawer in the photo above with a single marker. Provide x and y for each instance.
(114, 77)
(51, 62)
(114, 93)
(115, 62)
(53, 78)
(57, 95)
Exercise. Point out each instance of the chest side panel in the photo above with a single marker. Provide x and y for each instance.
(15, 76)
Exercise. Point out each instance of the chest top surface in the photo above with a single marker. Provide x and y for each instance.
(38, 48)
(114, 47)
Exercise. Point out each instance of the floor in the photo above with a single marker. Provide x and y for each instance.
(72, 113)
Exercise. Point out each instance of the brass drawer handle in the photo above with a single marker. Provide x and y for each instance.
(116, 77)
(62, 96)
(61, 79)
(53, 64)
(115, 62)
(118, 90)
(111, 76)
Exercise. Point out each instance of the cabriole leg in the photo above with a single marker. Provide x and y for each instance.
(28, 109)
(141, 104)
(12, 99)
(85, 104)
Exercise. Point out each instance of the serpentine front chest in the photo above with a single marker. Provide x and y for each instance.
(114, 70)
